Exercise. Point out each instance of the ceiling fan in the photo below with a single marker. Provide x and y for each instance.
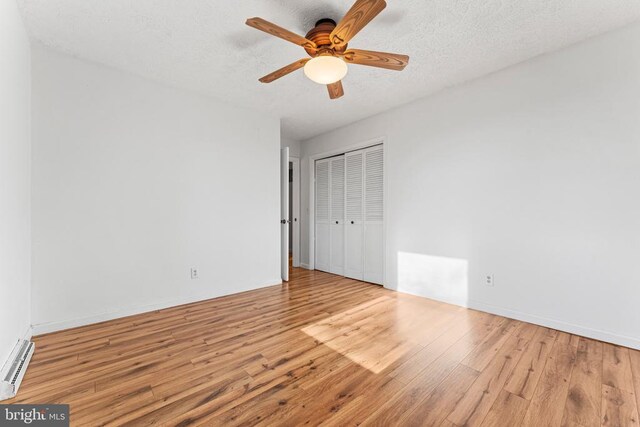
(326, 44)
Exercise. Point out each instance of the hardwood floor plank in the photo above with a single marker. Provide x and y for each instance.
(526, 374)
(437, 405)
(548, 401)
(360, 408)
(478, 400)
(473, 335)
(616, 368)
(331, 400)
(618, 408)
(487, 350)
(634, 355)
(424, 383)
(526, 331)
(186, 402)
(585, 388)
(410, 396)
(508, 410)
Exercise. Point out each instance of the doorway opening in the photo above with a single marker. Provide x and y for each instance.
(290, 212)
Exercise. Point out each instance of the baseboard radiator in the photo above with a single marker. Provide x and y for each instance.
(15, 368)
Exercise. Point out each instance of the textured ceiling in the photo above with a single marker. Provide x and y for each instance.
(203, 45)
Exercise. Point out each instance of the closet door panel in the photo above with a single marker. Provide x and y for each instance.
(322, 247)
(322, 199)
(373, 215)
(354, 236)
(373, 189)
(354, 244)
(336, 219)
(373, 253)
(336, 265)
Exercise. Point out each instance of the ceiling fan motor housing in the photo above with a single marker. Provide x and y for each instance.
(321, 36)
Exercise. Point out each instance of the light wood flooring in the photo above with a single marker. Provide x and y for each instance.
(328, 350)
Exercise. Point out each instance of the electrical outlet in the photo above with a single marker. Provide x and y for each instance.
(488, 280)
(194, 273)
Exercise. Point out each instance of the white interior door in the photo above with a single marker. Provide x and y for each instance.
(295, 199)
(373, 215)
(336, 223)
(284, 213)
(354, 228)
(321, 203)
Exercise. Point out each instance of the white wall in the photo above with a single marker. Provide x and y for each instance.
(134, 183)
(531, 174)
(15, 178)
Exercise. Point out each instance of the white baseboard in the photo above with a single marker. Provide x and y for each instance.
(560, 325)
(600, 335)
(305, 266)
(45, 328)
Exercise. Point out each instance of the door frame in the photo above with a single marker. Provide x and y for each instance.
(312, 195)
(296, 207)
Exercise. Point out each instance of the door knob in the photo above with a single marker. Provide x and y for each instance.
(283, 221)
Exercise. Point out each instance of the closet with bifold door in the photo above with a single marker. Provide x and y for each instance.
(349, 214)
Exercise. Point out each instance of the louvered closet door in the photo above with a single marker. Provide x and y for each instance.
(322, 244)
(336, 222)
(354, 231)
(373, 215)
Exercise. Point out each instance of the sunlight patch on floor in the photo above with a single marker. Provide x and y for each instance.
(376, 344)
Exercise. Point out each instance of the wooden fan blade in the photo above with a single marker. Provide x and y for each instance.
(335, 90)
(391, 61)
(284, 71)
(360, 14)
(274, 30)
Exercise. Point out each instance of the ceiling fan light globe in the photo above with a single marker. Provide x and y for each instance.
(325, 70)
